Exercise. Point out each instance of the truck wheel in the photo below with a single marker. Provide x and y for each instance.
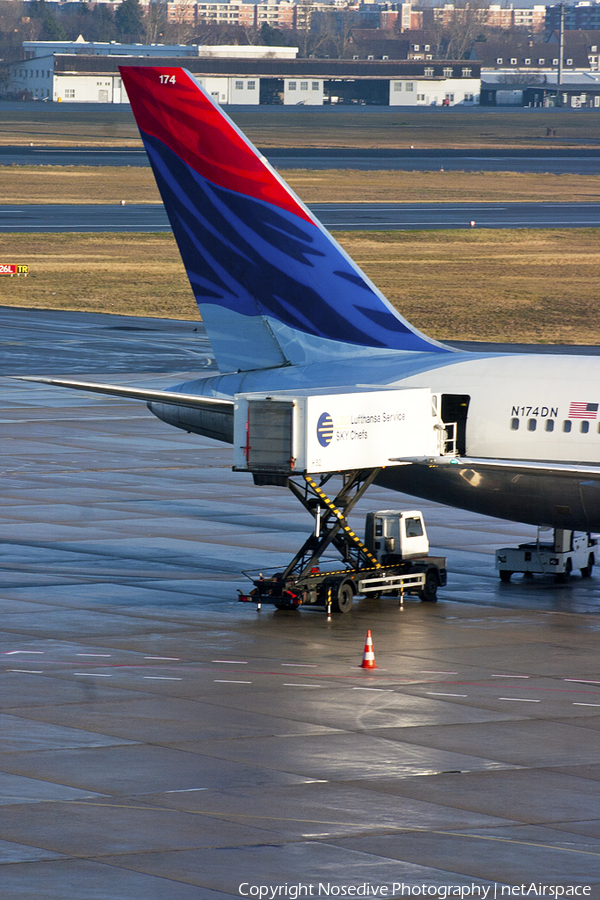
(429, 592)
(342, 601)
(563, 577)
(587, 571)
(505, 576)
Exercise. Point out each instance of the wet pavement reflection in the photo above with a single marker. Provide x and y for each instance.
(161, 740)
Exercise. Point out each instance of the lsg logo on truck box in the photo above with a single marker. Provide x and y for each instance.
(13, 269)
(325, 429)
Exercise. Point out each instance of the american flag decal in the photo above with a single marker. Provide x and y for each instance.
(580, 410)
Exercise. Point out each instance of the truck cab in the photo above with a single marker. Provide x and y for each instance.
(393, 536)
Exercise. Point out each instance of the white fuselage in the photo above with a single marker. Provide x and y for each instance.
(532, 389)
(521, 407)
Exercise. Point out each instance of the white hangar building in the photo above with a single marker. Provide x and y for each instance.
(91, 77)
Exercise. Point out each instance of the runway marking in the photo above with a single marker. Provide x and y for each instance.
(381, 690)
(510, 676)
(441, 694)
(162, 678)
(580, 681)
(171, 658)
(406, 208)
(586, 704)
(115, 226)
(484, 837)
(184, 791)
(231, 662)
(386, 829)
(360, 668)
(92, 674)
(519, 699)
(16, 652)
(103, 655)
(301, 685)
(27, 671)
(228, 681)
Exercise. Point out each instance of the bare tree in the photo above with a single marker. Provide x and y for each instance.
(303, 22)
(517, 78)
(16, 26)
(155, 21)
(462, 26)
(215, 33)
(180, 24)
(335, 26)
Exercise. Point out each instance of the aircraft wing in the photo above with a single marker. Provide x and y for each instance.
(518, 466)
(193, 401)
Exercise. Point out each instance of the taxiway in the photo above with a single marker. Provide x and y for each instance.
(88, 218)
(554, 160)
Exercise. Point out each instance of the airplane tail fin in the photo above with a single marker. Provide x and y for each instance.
(272, 285)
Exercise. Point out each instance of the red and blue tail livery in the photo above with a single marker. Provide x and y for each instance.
(272, 285)
(287, 311)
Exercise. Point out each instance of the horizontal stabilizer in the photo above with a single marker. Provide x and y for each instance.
(191, 401)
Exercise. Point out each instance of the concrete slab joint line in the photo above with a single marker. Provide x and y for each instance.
(128, 775)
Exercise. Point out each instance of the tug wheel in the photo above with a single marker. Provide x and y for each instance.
(586, 572)
(563, 577)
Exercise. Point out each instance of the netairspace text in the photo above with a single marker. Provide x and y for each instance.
(296, 891)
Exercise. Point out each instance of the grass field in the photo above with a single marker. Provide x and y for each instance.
(426, 128)
(94, 184)
(524, 286)
(276, 126)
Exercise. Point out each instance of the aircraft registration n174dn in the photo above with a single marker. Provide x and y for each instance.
(286, 309)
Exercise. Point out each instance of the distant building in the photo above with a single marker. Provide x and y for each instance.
(584, 15)
(410, 19)
(236, 80)
(512, 56)
(368, 43)
(81, 47)
(42, 74)
(494, 15)
(524, 73)
(276, 13)
(577, 90)
(579, 43)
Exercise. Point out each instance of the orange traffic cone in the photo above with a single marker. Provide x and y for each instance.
(368, 656)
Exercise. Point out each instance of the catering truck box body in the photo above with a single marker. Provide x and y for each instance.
(315, 433)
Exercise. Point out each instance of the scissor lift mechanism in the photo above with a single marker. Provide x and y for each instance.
(303, 582)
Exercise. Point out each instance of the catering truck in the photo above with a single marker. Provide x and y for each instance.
(305, 442)
(397, 563)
